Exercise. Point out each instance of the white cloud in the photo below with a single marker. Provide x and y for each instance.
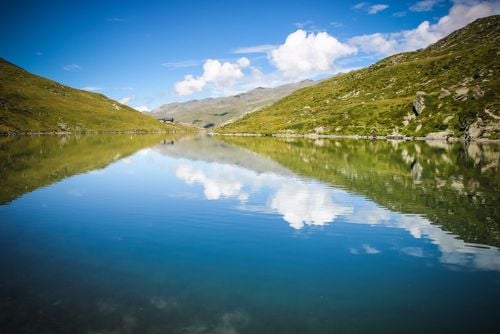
(360, 5)
(221, 75)
(460, 14)
(72, 68)
(180, 64)
(127, 99)
(92, 88)
(374, 42)
(304, 55)
(142, 109)
(189, 85)
(370, 9)
(377, 8)
(303, 204)
(263, 48)
(424, 5)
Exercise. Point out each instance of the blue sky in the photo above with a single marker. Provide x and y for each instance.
(141, 52)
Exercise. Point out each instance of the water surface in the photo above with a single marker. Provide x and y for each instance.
(146, 234)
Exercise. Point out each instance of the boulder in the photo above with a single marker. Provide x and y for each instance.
(461, 94)
(477, 92)
(419, 103)
(444, 93)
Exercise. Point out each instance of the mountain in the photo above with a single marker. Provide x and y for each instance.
(30, 103)
(207, 113)
(451, 88)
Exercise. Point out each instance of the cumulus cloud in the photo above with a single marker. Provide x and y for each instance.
(72, 68)
(220, 75)
(127, 99)
(142, 108)
(304, 55)
(460, 14)
(189, 85)
(424, 5)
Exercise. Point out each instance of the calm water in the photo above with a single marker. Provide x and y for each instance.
(145, 234)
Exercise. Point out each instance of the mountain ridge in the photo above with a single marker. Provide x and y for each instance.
(212, 112)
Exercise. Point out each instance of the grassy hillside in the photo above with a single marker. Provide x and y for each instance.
(455, 80)
(27, 163)
(30, 103)
(455, 186)
(207, 113)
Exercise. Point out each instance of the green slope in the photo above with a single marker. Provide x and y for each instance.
(30, 103)
(456, 79)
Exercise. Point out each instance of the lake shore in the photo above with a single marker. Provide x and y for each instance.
(390, 137)
(90, 132)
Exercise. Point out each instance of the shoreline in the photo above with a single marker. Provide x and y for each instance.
(389, 137)
(94, 132)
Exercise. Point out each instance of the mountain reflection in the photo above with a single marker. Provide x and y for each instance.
(302, 201)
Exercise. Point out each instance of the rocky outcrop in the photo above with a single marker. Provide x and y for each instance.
(419, 103)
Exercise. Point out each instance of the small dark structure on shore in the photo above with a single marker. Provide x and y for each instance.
(167, 119)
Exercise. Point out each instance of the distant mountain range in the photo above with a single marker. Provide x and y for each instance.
(451, 88)
(32, 104)
(211, 112)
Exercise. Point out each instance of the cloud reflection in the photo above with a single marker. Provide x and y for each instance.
(303, 202)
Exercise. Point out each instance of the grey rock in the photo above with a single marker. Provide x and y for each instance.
(477, 92)
(461, 94)
(419, 103)
(444, 93)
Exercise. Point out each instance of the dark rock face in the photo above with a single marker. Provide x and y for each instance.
(419, 103)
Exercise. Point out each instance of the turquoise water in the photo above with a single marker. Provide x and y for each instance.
(205, 236)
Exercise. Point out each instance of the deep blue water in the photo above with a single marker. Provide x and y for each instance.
(169, 241)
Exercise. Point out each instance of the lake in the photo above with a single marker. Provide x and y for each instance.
(158, 234)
